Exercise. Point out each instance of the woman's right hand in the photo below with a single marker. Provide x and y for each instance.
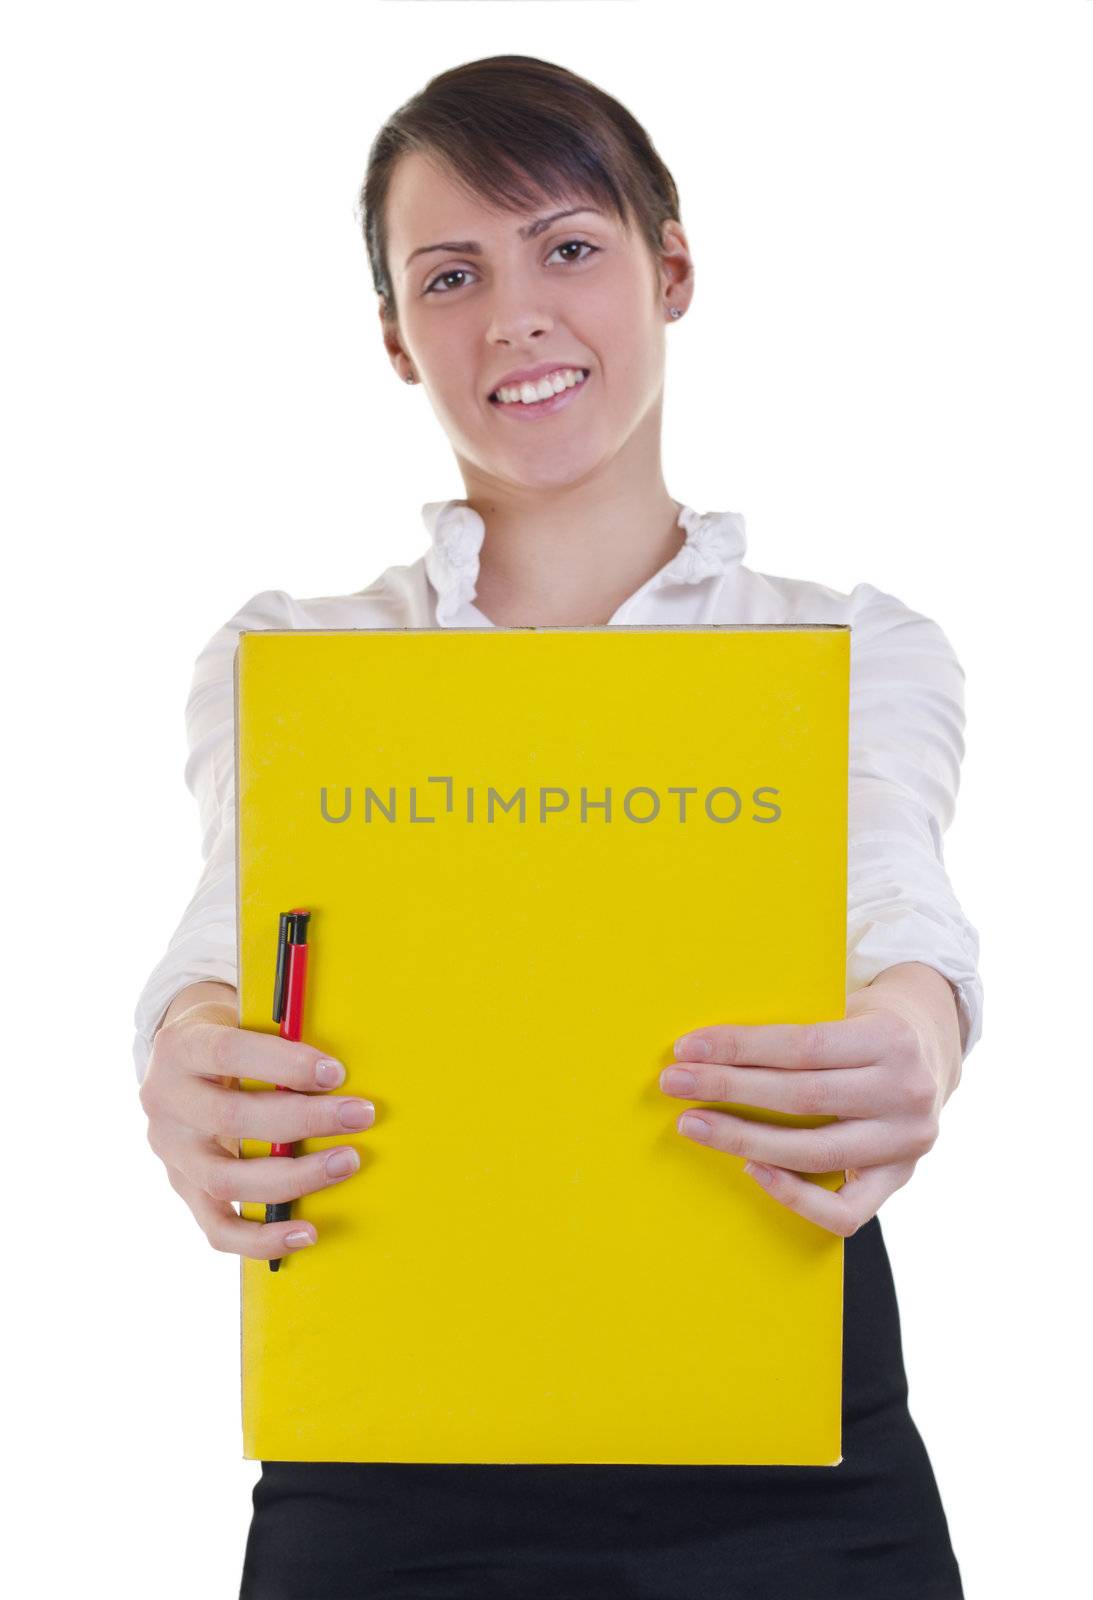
(197, 1114)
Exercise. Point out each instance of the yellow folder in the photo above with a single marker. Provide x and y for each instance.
(534, 857)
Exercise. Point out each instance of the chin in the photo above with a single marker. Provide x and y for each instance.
(545, 475)
(542, 463)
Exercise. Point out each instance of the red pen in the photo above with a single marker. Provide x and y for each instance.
(288, 1010)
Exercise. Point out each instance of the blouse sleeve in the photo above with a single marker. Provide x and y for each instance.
(906, 747)
(203, 946)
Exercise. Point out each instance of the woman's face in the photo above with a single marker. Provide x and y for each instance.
(580, 293)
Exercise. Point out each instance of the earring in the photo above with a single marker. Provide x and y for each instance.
(675, 312)
(410, 379)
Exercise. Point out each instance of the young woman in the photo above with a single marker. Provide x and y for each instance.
(526, 249)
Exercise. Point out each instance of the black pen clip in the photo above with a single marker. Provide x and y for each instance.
(282, 967)
(292, 929)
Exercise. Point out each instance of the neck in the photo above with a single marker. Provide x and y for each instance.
(569, 556)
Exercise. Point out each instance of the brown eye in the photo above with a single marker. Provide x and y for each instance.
(582, 243)
(456, 272)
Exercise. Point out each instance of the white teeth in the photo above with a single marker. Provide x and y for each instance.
(529, 393)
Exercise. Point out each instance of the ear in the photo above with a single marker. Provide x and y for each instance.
(399, 359)
(675, 266)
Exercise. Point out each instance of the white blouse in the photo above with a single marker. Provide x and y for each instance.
(906, 741)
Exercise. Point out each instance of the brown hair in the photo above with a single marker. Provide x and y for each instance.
(511, 129)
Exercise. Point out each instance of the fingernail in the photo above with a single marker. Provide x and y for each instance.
(329, 1073)
(356, 1113)
(678, 1081)
(340, 1163)
(690, 1046)
(756, 1170)
(694, 1128)
(296, 1241)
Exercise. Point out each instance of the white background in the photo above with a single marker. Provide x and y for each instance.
(886, 369)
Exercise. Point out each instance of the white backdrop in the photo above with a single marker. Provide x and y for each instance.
(886, 369)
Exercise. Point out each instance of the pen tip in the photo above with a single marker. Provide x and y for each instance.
(275, 1265)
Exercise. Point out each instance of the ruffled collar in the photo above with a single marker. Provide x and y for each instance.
(714, 541)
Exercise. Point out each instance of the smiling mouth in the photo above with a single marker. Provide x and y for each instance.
(518, 405)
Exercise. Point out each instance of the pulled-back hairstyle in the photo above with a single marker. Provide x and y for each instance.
(511, 129)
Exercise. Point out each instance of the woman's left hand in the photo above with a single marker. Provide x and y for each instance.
(884, 1073)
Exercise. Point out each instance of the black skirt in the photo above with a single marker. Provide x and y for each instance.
(872, 1528)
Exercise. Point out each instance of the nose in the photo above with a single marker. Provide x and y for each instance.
(517, 327)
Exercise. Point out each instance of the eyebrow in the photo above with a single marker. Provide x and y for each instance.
(531, 230)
